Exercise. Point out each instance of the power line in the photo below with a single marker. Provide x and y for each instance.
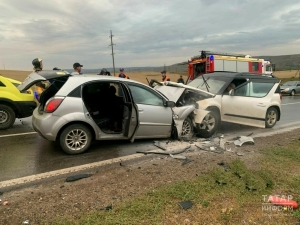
(112, 51)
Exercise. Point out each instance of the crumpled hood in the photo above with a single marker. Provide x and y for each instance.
(173, 90)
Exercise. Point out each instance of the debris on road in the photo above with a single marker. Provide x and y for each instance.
(26, 222)
(77, 177)
(1, 193)
(186, 161)
(5, 203)
(178, 156)
(225, 165)
(186, 204)
(157, 144)
(173, 152)
(243, 139)
(239, 154)
(110, 207)
(214, 149)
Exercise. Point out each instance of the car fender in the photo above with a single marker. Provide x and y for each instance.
(180, 114)
(199, 115)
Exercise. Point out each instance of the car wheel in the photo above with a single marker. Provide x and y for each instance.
(75, 139)
(187, 128)
(209, 125)
(271, 117)
(7, 117)
(292, 93)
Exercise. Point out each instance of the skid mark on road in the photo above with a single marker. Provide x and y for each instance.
(11, 135)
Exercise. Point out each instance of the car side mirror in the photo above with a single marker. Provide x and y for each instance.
(231, 92)
(170, 104)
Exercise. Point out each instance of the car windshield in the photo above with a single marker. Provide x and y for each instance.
(290, 83)
(213, 84)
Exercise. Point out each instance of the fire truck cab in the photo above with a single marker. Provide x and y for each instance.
(209, 62)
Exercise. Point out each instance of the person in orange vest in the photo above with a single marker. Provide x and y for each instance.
(164, 76)
(122, 74)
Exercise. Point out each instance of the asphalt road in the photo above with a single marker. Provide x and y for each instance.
(23, 152)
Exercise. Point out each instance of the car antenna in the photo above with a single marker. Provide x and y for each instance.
(148, 81)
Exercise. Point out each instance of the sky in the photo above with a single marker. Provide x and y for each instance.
(145, 33)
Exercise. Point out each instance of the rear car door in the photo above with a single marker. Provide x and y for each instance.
(155, 118)
(249, 102)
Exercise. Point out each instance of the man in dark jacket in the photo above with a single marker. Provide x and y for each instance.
(180, 80)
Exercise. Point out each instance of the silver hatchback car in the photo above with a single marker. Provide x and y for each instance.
(76, 109)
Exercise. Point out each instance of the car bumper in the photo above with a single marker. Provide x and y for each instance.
(47, 125)
(25, 109)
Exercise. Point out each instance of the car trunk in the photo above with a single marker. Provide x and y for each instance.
(56, 79)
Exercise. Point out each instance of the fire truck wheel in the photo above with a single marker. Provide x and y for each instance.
(209, 125)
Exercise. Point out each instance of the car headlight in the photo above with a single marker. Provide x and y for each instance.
(287, 89)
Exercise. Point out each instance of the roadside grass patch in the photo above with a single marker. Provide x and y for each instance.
(218, 197)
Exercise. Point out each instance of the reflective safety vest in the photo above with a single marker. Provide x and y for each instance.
(166, 78)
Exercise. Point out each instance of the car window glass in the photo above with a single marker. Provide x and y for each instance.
(254, 89)
(1, 84)
(143, 96)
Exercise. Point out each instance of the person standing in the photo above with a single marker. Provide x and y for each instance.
(37, 65)
(122, 74)
(77, 69)
(180, 80)
(164, 76)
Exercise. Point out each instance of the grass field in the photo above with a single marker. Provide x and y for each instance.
(141, 76)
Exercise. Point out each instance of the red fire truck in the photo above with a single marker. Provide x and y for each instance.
(209, 62)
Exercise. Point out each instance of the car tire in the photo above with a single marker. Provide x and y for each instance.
(292, 93)
(187, 128)
(7, 117)
(209, 125)
(271, 117)
(75, 139)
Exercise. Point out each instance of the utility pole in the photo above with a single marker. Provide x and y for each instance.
(112, 51)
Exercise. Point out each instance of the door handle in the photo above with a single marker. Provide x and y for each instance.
(141, 110)
(261, 104)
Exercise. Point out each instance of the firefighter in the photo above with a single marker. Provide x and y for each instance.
(122, 74)
(37, 65)
(164, 76)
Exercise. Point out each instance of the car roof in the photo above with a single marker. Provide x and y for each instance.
(237, 75)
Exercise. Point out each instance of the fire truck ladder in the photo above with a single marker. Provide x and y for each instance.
(205, 53)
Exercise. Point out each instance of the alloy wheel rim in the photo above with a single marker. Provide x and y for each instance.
(3, 116)
(271, 117)
(208, 122)
(76, 139)
(186, 128)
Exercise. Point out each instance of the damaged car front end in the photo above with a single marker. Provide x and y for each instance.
(187, 114)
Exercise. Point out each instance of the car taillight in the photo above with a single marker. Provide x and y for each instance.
(53, 105)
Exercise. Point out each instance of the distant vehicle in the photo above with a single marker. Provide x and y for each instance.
(14, 103)
(290, 87)
(209, 62)
(255, 100)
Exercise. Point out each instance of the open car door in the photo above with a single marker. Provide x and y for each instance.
(34, 78)
(131, 114)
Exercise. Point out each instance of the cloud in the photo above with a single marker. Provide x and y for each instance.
(146, 33)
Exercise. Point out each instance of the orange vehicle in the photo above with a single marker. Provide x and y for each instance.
(209, 62)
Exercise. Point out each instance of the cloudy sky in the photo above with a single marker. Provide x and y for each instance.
(146, 33)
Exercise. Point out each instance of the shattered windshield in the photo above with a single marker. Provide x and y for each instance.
(214, 85)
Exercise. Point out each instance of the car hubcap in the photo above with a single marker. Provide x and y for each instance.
(186, 128)
(3, 116)
(208, 122)
(271, 119)
(76, 139)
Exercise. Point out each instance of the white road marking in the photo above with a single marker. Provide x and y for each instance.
(291, 103)
(11, 135)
